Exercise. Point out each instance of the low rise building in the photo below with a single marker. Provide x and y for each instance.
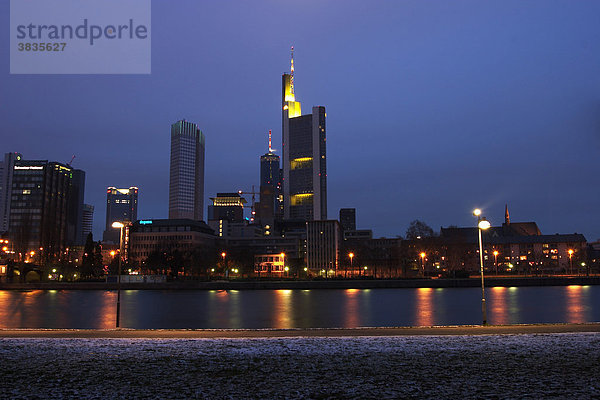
(185, 236)
(323, 243)
(269, 264)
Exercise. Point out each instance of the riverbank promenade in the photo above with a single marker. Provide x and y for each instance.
(239, 284)
(291, 333)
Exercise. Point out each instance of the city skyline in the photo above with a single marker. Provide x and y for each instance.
(478, 105)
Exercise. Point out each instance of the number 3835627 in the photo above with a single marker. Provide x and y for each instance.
(41, 46)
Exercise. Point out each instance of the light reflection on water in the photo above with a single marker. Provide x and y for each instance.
(424, 310)
(576, 310)
(284, 309)
(498, 307)
(108, 311)
(352, 310)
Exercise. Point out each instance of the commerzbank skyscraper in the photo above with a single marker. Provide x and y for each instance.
(304, 156)
(186, 181)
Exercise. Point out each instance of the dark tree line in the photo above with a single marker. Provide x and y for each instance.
(92, 265)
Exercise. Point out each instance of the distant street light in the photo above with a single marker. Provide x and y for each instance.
(571, 259)
(496, 260)
(351, 255)
(423, 262)
(223, 254)
(482, 224)
(120, 226)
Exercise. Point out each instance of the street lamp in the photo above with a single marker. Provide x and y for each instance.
(120, 226)
(482, 224)
(223, 254)
(496, 260)
(571, 259)
(351, 255)
(423, 262)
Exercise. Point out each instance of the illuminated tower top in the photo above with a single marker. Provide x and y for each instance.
(292, 73)
(288, 98)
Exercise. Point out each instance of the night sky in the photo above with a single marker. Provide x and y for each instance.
(433, 107)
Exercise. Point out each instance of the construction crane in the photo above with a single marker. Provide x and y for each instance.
(71, 162)
(253, 193)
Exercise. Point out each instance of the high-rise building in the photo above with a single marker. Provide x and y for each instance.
(304, 157)
(87, 222)
(227, 206)
(270, 206)
(186, 181)
(6, 175)
(121, 205)
(323, 242)
(39, 207)
(75, 208)
(269, 168)
(348, 219)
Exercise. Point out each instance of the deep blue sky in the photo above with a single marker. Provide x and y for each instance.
(432, 107)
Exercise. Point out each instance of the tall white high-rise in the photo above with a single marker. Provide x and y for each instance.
(186, 181)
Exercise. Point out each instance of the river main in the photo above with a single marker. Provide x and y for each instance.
(284, 309)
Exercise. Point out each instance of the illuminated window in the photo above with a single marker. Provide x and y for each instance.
(303, 162)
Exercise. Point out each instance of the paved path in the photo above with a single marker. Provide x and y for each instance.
(280, 333)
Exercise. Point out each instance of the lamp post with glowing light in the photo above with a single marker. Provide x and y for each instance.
(423, 262)
(283, 261)
(571, 260)
(351, 255)
(496, 260)
(223, 255)
(482, 224)
(120, 226)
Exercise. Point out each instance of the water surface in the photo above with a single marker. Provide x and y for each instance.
(323, 308)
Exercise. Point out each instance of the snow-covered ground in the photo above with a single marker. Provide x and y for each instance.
(495, 366)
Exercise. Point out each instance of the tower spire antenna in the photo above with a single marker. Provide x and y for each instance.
(270, 149)
(292, 72)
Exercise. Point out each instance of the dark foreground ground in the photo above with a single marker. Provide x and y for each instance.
(530, 365)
